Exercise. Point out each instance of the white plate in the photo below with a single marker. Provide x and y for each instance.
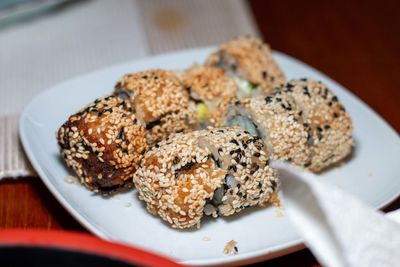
(372, 174)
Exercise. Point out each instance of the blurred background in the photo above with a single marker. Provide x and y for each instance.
(44, 42)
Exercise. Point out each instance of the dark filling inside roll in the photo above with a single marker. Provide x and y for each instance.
(223, 195)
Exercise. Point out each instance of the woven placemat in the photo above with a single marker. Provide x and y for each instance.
(88, 35)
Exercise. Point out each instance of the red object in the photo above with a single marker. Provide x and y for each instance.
(82, 243)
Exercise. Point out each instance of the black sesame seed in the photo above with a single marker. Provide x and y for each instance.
(121, 134)
(335, 115)
(232, 167)
(326, 127)
(278, 99)
(268, 99)
(274, 185)
(257, 154)
(264, 74)
(217, 161)
(246, 132)
(220, 131)
(244, 164)
(334, 99)
(254, 167)
(319, 129)
(144, 77)
(188, 166)
(236, 249)
(233, 141)
(152, 124)
(237, 103)
(303, 79)
(325, 93)
(176, 160)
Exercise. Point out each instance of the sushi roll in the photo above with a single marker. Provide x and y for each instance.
(103, 144)
(214, 172)
(275, 118)
(302, 122)
(328, 125)
(210, 90)
(159, 102)
(249, 61)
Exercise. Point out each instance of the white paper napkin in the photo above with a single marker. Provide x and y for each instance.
(339, 229)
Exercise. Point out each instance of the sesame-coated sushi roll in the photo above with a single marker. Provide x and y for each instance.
(328, 124)
(215, 172)
(159, 102)
(103, 144)
(249, 61)
(211, 91)
(275, 119)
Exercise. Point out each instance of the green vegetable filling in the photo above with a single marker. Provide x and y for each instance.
(202, 112)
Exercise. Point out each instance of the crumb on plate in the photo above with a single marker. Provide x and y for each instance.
(71, 179)
(231, 248)
(206, 238)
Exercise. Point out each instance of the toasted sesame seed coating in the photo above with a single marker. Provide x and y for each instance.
(212, 86)
(328, 124)
(251, 59)
(180, 176)
(159, 102)
(276, 119)
(103, 144)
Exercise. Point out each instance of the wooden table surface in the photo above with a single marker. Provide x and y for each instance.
(355, 43)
